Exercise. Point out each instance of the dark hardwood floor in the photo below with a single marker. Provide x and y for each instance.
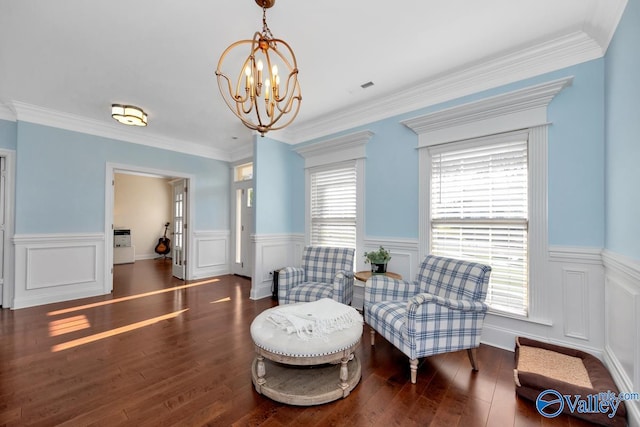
(159, 351)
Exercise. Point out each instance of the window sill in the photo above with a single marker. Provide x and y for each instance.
(521, 318)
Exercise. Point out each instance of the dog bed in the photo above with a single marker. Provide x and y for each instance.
(541, 366)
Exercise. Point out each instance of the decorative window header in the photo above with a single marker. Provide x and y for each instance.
(520, 109)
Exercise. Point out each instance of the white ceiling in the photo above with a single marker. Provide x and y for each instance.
(64, 62)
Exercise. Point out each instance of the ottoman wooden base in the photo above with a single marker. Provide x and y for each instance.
(305, 385)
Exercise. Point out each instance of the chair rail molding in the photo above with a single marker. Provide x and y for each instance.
(404, 255)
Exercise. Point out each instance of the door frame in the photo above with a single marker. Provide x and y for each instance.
(8, 286)
(111, 170)
(233, 186)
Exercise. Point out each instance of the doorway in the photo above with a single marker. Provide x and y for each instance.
(178, 213)
(179, 209)
(242, 214)
(7, 182)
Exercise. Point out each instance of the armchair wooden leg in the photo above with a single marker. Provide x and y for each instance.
(373, 336)
(472, 358)
(413, 365)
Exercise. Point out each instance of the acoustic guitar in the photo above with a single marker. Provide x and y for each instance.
(164, 243)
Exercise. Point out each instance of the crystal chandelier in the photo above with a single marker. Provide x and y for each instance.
(266, 94)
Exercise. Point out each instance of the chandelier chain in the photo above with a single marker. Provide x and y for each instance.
(266, 32)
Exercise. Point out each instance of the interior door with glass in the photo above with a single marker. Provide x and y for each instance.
(179, 249)
(2, 224)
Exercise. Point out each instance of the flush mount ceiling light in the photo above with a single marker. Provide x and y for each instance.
(268, 104)
(129, 115)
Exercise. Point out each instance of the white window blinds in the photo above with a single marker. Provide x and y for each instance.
(479, 212)
(333, 206)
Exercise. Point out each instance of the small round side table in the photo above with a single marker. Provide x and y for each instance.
(364, 275)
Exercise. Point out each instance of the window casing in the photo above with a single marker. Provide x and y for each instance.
(521, 109)
(336, 153)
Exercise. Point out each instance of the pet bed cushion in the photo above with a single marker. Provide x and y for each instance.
(541, 366)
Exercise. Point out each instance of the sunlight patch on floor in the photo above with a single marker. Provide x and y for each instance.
(227, 299)
(117, 331)
(131, 297)
(68, 325)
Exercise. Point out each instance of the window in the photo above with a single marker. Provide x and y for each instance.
(334, 190)
(243, 172)
(333, 205)
(479, 208)
(523, 109)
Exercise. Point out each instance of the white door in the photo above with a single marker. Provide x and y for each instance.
(179, 240)
(243, 229)
(2, 221)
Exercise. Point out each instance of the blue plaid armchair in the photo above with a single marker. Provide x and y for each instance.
(325, 273)
(441, 311)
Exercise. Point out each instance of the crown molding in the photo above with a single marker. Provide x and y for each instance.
(44, 116)
(242, 151)
(601, 24)
(7, 113)
(541, 58)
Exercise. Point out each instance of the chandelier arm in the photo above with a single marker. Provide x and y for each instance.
(293, 67)
(288, 106)
(288, 122)
(229, 100)
(287, 94)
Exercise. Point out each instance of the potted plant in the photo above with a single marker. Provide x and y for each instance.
(378, 260)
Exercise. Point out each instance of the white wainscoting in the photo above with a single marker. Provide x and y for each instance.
(58, 267)
(272, 252)
(404, 255)
(573, 291)
(404, 261)
(210, 255)
(622, 323)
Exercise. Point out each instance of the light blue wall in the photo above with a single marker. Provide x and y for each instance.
(8, 134)
(623, 136)
(279, 181)
(576, 167)
(60, 180)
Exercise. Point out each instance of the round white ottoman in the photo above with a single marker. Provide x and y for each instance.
(304, 372)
